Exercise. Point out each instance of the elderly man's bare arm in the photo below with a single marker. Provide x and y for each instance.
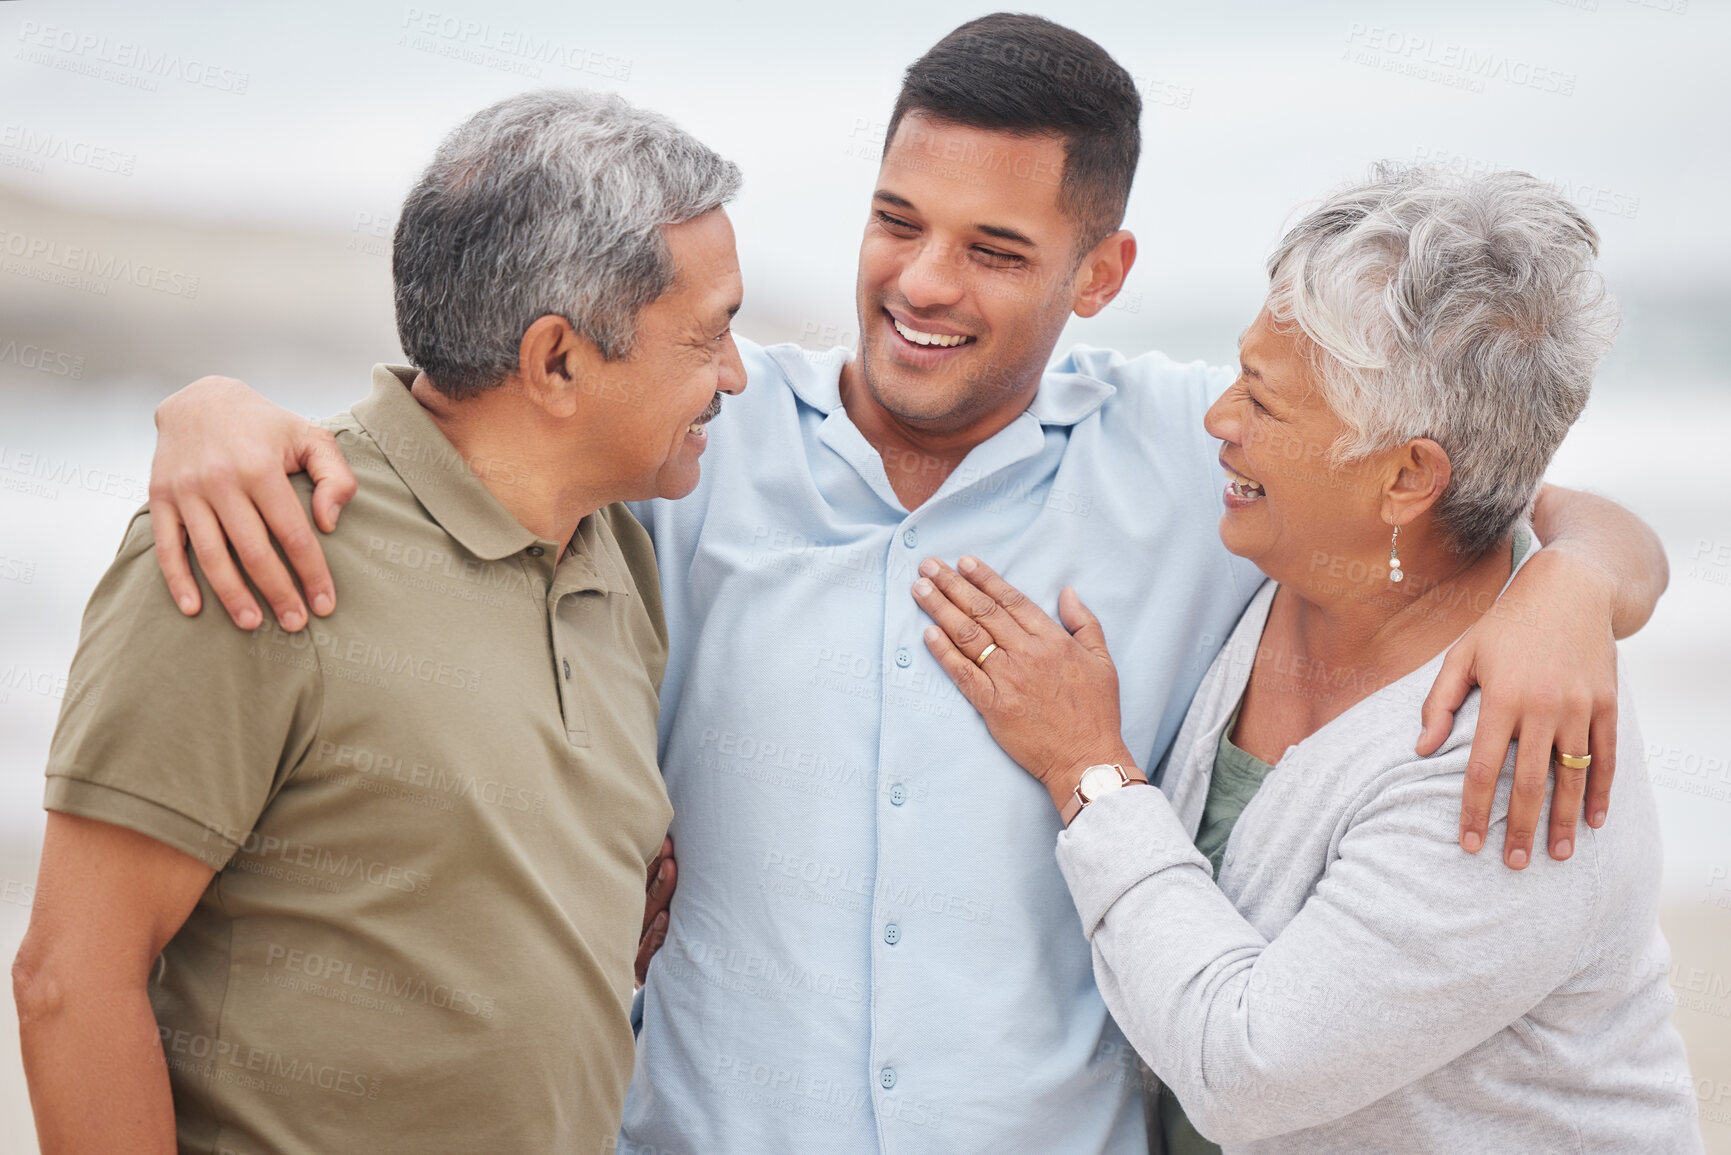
(107, 901)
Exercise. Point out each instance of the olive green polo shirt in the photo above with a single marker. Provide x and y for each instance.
(430, 815)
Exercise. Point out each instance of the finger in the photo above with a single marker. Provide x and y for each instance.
(1571, 785)
(249, 537)
(1437, 715)
(962, 629)
(1527, 795)
(1020, 608)
(661, 855)
(1081, 622)
(334, 484)
(1484, 764)
(287, 522)
(649, 944)
(211, 548)
(973, 682)
(171, 556)
(999, 626)
(660, 892)
(1602, 744)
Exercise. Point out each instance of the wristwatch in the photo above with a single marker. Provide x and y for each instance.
(1097, 781)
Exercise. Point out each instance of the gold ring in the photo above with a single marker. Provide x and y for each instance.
(1572, 761)
(991, 647)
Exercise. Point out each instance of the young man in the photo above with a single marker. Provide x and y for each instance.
(872, 948)
(378, 887)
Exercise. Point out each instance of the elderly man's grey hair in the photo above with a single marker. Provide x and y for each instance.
(1462, 310)
(549, 202)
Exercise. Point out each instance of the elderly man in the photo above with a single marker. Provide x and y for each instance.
(378, 887)
(872, 948)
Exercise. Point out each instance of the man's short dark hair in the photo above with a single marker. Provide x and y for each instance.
(1009, 72)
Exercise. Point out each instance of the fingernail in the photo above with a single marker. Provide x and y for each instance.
(186, 604)
(1562, 849)
(1597, 820)
(923, 587)
(1517, 859)
(929, 568)
(966, 564)
(661, 921)
(293, 621)
(665, 872)
(1472, 840)
(249, 619)
(322, 604)
(933, 633)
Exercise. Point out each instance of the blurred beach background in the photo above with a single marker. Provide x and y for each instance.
(192, 188)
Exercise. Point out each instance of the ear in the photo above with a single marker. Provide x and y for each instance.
(552, 361)
(1421, 471)
(1101, 274)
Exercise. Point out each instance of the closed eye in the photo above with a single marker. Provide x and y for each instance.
(998, 259)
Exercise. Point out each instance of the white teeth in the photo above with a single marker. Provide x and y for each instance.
(1242, 486)
(698, 429)
(919, 338)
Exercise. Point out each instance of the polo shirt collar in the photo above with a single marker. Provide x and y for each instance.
(433, 469)
(1062, 399)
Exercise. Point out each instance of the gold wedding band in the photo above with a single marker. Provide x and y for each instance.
(1572, 761)
(991, 647)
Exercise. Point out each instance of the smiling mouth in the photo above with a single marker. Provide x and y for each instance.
(931, 340)
(699, 428)
(1241, 486)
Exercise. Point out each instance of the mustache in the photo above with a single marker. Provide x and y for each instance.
(709, 414)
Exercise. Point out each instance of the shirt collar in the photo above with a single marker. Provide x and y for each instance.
(433, 469)
(1062, 399)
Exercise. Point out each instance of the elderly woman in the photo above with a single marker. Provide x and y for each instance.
(1286, 930)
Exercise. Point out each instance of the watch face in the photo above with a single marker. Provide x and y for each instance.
(1098, 779)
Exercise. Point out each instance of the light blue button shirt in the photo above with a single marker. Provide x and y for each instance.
(871, 948)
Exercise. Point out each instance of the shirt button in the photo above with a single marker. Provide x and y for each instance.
(887, 1078)
(536, 551)
(892, 934)
(898, 794)
(903, 658)
(910, 537)
(567, 664)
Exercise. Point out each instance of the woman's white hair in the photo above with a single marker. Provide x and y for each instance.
(1465, 310)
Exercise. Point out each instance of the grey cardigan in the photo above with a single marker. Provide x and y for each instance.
(1357, 982)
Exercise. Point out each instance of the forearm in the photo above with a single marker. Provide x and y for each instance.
(1612, 547)
(1373, 984)
(94, 1063)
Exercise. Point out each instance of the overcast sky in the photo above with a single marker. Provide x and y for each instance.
(324, 112)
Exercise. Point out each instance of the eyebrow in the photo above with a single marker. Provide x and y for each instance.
(732, 312)
(999, 231)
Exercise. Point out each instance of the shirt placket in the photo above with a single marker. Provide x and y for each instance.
(574, 576)
(901, 1068)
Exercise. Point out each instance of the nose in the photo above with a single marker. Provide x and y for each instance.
(731, 379)
(1221, 421)
(931, 279)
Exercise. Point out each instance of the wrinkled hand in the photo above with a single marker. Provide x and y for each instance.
(1048, 693)
(663, 877)
(220, 476)
(1546, 664)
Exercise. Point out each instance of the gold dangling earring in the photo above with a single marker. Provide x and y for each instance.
(1394, 574)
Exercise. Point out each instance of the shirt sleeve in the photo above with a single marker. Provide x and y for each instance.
(179, 728)
(1408, 953)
